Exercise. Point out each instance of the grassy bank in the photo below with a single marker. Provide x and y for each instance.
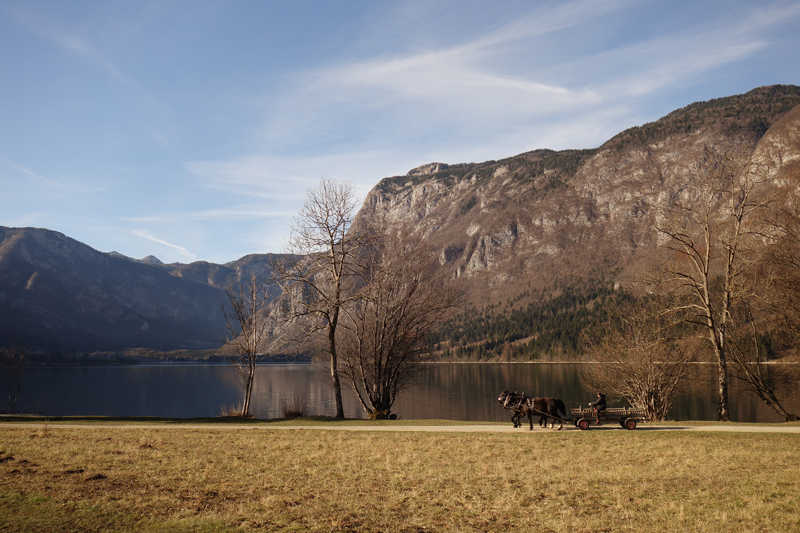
(223, 478)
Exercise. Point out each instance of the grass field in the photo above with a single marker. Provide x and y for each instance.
(233, 478)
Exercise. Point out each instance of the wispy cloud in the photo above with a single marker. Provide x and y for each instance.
(210, 215)
(47, 28)
(286, 178)
(254, 175)
(183, 251)
(27, 171)
(476, 91)
(76, 39)
(671, 60)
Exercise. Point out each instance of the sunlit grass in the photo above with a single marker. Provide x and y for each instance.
(153, 479)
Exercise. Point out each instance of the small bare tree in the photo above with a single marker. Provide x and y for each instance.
(322, 270)
(638, 360)
(13, 362)
(384, 332)
(708, 230)
(246, 321)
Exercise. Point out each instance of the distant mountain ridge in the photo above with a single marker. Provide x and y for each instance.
(57, 293)
(504, 228)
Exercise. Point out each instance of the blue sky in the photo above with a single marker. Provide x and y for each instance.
(190, 130)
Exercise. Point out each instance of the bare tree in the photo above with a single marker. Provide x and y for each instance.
(13, 362)
(246, 321)
(782, 267)
(323, 268)
(708, 231)
(384, 332)
(639, 360)
(759, 377)
(764, 343)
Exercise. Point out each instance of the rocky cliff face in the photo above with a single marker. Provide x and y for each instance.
(526, 221)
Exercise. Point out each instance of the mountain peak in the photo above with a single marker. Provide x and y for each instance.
(430, 168)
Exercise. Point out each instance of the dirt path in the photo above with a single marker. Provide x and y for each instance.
(472, 428)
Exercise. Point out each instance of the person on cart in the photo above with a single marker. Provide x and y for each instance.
(599, 406)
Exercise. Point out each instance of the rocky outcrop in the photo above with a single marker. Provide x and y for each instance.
(523, 222)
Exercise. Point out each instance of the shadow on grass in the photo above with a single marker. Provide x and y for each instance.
(222, 420)
(229, 421)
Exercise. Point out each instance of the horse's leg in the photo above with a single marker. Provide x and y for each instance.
(530, 420)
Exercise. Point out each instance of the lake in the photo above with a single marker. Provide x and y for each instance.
(456, 391)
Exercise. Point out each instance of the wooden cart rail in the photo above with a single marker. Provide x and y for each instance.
(626, 416)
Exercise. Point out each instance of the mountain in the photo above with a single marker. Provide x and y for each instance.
(57, 293)
(525, 222)
(542, 239)
(537, 239)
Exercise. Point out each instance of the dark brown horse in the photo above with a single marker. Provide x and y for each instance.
(546, 408)
(513, 401)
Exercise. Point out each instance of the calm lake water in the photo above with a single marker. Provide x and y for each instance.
(456, 391)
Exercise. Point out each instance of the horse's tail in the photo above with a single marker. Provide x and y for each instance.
(560, 407)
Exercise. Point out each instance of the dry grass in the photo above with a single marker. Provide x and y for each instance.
(151, 479)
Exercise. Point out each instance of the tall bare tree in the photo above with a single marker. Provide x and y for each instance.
(765, 342)
(782, 266)
(246, 321)
(639, 359)
(749, 358)
(708, 231)
(383, 334)
(323, 268)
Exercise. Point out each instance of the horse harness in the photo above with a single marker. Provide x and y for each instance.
(527, 401)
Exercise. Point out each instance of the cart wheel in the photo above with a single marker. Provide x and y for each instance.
(630, 423)
(583, 424)
(622, 421)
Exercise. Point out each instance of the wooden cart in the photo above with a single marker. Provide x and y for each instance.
(627, 417)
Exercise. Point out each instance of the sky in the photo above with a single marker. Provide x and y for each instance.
(191, 130)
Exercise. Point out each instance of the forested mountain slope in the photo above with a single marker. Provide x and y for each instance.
(520, 231)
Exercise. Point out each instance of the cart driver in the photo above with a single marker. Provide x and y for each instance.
(599, 406)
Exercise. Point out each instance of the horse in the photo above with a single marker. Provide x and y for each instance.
(545, 407)
(521, 405)
(513, 401)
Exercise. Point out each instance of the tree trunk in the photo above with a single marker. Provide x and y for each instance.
(722, 372)
(337, 388)
(248, 392)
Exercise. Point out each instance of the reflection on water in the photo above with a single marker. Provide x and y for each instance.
(445, 391)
